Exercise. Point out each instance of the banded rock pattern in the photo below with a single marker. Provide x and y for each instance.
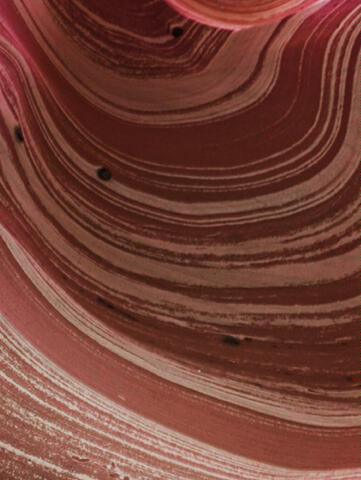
(240, 14)
(178, 237)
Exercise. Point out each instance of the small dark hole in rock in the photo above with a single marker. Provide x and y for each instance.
(177, 31)
(229, 340)
(349, 378)
(274, 345)
(104, 302)
(248, 339)
(18, 134)
(104, 174)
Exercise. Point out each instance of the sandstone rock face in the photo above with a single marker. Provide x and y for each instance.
(179, 281)
(240, 14)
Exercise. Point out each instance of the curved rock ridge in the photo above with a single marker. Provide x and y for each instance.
(179, 249)
(240, 14)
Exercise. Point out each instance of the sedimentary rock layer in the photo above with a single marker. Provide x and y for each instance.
(179, 281)
(240, 14)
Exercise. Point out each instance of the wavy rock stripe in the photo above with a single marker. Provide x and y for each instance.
(179, 281)
(239, 14)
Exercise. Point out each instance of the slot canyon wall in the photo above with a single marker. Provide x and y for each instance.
(179, 253)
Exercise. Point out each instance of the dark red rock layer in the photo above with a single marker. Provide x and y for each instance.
(179, 286)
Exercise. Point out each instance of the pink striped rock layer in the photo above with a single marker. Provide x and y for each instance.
(179, 282)
(238, 14)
